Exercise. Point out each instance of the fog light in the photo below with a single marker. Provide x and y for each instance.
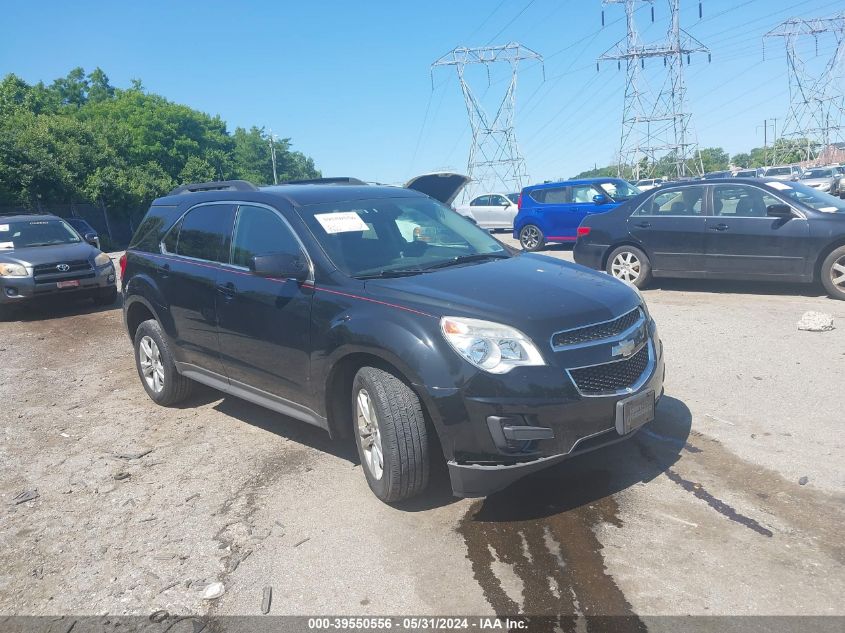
(11, 292)
(111, 278)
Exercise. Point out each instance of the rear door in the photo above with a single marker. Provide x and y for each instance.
(671, 226)
(743, 241)
(553, 210)
(264, 323)
(195, 249)
(502, 212)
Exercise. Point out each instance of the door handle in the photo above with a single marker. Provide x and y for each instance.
(719, 227)
(644, 225)
(164, 273)
(228, 290)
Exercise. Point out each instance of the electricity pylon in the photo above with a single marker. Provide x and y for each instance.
(816, 116)
(655, 127)
(494, 160)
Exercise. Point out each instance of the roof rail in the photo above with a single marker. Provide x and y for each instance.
(338, 180)
(216, 185)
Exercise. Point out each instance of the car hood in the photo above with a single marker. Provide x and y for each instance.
(536, 294)
(442, 186)
(59, 253)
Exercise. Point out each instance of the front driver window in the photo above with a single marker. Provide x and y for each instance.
(259, 231)
(741, 202)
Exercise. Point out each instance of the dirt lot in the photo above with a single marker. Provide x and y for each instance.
(731, 502)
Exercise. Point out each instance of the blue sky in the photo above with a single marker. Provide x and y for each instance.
(350, 82)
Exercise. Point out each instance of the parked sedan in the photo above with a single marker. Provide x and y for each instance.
(492, 210)
(768, 230)
(821, 178)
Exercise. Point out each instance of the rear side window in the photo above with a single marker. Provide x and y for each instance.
(206, 233)
(552, 195)
(480, 201)
(259, 231)
(686, 201)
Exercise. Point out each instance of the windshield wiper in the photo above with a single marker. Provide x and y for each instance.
(461, 259)
(45, 244)
(386, 274)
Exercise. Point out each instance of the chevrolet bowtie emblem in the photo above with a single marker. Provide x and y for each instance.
(624, 349)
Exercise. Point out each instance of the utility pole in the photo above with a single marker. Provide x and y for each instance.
(273, 156)
(655, 127)
(816, 113)
(494, 159)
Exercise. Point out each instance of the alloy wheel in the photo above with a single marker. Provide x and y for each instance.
(530, 237)
(151, 365)
(369, 434)
(626, 266)
(837, 273)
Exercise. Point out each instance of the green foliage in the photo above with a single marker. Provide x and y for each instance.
(81, 139)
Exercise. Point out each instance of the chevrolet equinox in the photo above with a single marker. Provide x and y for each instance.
(379, 313)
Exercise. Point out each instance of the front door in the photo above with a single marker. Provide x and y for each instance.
(190, 266)
(743, 241)
(671, 226)
(501, 212)
(264, 323)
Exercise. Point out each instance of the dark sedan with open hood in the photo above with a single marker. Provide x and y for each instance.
(379, 313)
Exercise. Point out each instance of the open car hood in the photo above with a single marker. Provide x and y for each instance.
(442, 186)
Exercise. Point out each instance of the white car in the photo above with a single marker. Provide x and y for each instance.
(492, 210)
(648, 183)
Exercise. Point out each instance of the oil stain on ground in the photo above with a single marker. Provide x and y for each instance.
(553, 551)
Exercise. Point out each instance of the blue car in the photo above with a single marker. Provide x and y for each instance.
(551, 212)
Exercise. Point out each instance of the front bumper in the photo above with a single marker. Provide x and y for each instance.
(19, 290)
(596, 431)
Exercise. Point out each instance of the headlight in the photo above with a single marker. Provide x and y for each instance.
(13, 270)
(490, 346)
(102, 259)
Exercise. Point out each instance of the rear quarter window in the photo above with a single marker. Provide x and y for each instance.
(153, 227)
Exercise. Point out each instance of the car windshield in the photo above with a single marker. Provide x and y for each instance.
(392, 236)
(513, 197)
(813, 198)
(29, 233)
(817, 173)
(619, 189)
(778, 171)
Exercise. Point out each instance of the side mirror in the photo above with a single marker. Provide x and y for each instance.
(92, 239)
(280, 266)
(600, 198)
(779, 211)
(507, 203)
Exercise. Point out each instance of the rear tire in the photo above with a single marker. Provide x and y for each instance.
(629, 264)
(833, 273)
(391, 435)
(531, 238)
(156, 367)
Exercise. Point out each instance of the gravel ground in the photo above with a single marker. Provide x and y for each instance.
(731, 502)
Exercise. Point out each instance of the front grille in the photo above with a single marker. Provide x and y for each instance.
(611, 377)
(598, 331)
(50, 269)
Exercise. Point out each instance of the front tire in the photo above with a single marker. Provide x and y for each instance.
(390, 434)
(629, 264)
(833, 273)
(156, 367)
(531, 238)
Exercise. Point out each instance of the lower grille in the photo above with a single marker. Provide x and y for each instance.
(611, 377)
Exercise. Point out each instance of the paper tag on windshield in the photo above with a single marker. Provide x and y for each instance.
(829, 209)
(4, 227)
(341, 222)
(7, 244)
(782, 186)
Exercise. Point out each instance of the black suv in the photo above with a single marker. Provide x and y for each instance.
(379, 312)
